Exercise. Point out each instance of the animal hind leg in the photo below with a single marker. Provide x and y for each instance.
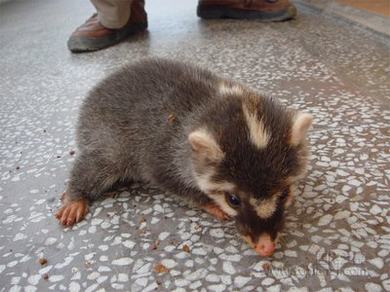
(90, 178)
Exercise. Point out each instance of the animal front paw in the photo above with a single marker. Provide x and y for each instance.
(214, 210)
(72, 212)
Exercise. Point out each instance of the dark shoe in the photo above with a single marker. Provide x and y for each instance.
(266, 10)
(93, 36)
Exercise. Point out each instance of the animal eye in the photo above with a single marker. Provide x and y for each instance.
(233, 200)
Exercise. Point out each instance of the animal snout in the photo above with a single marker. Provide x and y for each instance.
(265, 246)
(265, 250)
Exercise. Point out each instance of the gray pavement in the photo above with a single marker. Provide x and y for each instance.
(337, 233)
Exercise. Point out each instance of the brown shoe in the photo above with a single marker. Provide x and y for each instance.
(266, 10)
(93, 36)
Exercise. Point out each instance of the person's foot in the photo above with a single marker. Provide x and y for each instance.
(265, 10)
(93, 36)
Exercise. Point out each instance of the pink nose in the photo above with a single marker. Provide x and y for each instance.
(265, 249)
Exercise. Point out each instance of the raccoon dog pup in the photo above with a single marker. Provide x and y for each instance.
(229, 150)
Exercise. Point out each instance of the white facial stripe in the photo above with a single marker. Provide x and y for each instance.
(207, 186)
(220, 200)
(226, 88)
(203, 181)
(265, 208)
(257, 132)
(221, 187)
(210, 187)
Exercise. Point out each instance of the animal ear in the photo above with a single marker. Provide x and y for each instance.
(301, 125)
(204, 145)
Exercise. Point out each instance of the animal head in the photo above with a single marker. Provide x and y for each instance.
(248, 153)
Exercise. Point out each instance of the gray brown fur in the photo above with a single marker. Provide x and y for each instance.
(124, 132)
(135, 124)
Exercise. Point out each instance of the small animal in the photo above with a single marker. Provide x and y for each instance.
(215, 142)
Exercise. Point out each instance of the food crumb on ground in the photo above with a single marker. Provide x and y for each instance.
(160, 268)
(186, 248)
(42, 261)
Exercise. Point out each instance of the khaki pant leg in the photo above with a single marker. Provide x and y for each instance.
(113, 13)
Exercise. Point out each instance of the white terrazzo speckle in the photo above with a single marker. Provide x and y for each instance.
(240, 281)
(163, 235)
(325, 220)
(122, 261)
(74, 287)
(377, 262)
(228, 268)
(218, 232)
(169, 263)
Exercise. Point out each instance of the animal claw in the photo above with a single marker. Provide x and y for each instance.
(72, 212)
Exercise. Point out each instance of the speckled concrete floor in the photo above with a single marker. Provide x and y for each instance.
(337, 233)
